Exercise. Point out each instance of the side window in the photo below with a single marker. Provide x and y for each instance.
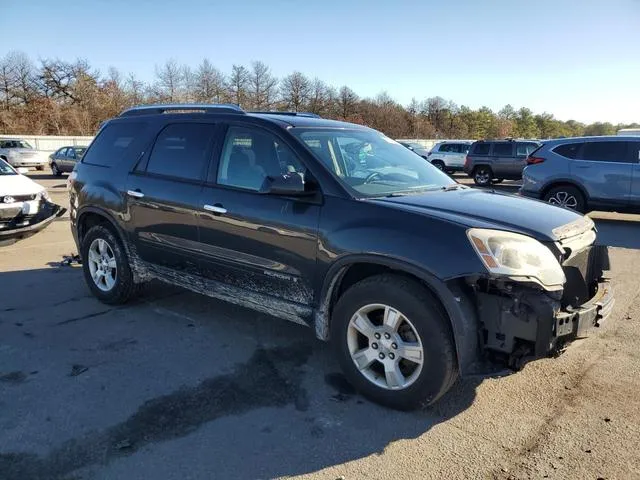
(62, 152)
(568, 150)
(115, 142)
(503, 149)
(71, 153)
(634, 152)
(464, 148)
(181, 151)
(249, 156)
(447, 147)
(525, 149)
(481, 149)
(604, 152)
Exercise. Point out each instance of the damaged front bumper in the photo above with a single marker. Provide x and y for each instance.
(521, 322)
(18, 223)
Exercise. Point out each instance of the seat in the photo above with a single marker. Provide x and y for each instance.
(241, 172)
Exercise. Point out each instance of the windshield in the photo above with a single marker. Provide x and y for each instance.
(14, 144)
(371, 164)
(6, 169)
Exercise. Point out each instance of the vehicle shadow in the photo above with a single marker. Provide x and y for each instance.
(281, 408)
(618, 233)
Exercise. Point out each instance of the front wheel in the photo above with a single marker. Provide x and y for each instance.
(55, 170)
(40, 168)
(106, 267)
(393, 342)
(438, 164)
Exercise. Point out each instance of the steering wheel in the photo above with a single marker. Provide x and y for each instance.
(372, 176)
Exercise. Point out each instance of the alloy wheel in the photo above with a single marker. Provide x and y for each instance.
(385, 346)
(102, 264)
(564, 199)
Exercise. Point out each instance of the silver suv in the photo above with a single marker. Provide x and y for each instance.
(449, 156)
(588, 173)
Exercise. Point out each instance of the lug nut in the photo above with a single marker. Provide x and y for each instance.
(381, 356)
(387, 336)
(394, 346)
(392, 356)
(374, 345)
(377, 335)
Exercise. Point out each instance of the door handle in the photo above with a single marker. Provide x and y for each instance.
(215, 208)
(135, 193)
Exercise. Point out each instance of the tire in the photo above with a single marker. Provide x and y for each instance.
(40, 168)
(482, 175)
(566, 196)
(123, 287)
(55, 170)
(439, 164)
(421, 314)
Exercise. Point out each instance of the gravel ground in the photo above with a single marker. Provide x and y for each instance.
(177, 386)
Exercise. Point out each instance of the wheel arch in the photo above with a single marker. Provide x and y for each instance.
(451, 295)
(90, 216)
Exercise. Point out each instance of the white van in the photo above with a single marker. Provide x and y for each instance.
(629, 132)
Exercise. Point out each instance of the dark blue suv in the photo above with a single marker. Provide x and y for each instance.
(413, 277)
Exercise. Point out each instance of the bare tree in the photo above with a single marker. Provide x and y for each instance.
(209, 84)
(262, 87)
(238, 83)
(134, 90)
(318, 97)
(294, 90)
(347, 101)
(169, 82)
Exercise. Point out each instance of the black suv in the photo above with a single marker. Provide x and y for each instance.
(413, 277)
(495, 160)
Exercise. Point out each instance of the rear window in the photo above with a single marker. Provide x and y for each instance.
(604, 152)
(480, 149)
(525, 149)
(503, 149)
(115, 142)
(568, 150)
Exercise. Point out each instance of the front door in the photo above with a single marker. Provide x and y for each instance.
(606, 171)
(502, 160)
(164, 195)
(261, 243)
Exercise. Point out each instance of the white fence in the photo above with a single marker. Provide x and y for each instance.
(48, 143)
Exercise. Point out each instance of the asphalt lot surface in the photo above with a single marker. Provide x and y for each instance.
(178, 386)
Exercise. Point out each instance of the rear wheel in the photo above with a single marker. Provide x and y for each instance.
(106, 267)
(482, 176)
(393, 342)
(439, 164)
(40, 168)
(566, 196)
(55, 170)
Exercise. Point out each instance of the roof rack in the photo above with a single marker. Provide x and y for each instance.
(182, 107)
(295, 114)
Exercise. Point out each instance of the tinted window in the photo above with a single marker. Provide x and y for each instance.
(481, 149)
(503, 149)
(634, 152)
(569, 150)
(249, 156)
(181, 150)
(604, 152)
(115, 142)
(525, 149)
(464, 148)
(446, 147)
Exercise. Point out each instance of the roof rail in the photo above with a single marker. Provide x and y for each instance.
(295, 114)
(181, 107)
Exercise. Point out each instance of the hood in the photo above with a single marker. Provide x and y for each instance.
(18, 185)
(478, 208)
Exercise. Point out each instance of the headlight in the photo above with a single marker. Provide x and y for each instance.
(517, 256)
(43, 195)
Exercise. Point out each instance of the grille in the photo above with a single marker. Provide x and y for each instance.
(19, 198)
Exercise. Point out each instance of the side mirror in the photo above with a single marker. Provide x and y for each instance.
(290, 184)
(22, 170)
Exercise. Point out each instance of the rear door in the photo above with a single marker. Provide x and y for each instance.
(261, 243)
(605, 170)
(70, 159)
(634, 158)
(60, 157)
(164, 194)
(502, 159)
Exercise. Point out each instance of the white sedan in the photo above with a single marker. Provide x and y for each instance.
(25, 206)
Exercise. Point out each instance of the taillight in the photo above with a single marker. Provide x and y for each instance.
(535, 160)
(467, 161)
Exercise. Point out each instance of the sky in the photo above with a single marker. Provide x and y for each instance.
(577, 59)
